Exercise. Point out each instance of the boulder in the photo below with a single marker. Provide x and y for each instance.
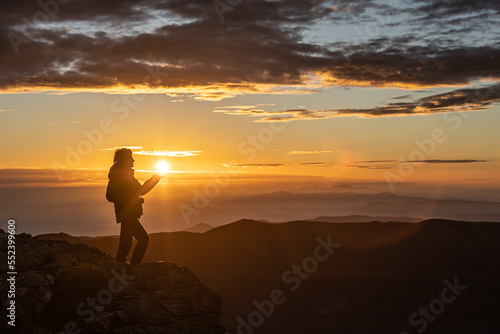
(62, 287)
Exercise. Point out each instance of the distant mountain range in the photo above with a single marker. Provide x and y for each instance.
(451, 209)
(200, 228)
(365, 219)
(282, 206)
(321, 277)
(66, 209)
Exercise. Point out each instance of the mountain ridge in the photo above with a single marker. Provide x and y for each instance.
(56, 282)
(400, 265)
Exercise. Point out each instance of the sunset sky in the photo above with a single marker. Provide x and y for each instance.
(343, 90)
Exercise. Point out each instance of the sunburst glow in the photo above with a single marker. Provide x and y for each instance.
(163, 167)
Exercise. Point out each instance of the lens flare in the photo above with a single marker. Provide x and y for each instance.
(163, 167)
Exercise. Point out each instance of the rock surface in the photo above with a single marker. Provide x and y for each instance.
(73, 288)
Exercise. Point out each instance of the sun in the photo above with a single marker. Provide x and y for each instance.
(163, 167)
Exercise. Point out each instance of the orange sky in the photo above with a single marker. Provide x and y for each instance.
(345, 93)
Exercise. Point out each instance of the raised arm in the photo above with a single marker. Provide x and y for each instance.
(148, 185)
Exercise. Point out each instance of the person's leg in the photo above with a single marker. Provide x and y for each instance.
(125, 241)
(142, 237)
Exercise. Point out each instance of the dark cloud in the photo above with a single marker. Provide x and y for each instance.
(254, 47)
(440, 161)
(381, 64)
(372, 164)
(430, 161)
(183, 47)
(436, 9)
(391, 164)
(403, 97)
(459, 100)
(367, 167)
(256, 165)
(259, 165)
(374, 161)
(46, 177)
(13, 13)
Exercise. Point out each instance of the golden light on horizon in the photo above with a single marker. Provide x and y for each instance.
(163, 167)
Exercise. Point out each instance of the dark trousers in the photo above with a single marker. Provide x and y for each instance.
(132, 228)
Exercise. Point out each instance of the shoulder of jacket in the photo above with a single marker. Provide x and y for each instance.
(116, 171)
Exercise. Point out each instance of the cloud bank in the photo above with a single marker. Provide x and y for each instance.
(374, 164)
(460, 100)
(182, 47)
(139, 150)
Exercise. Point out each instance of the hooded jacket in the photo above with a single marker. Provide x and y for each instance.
(125, 192)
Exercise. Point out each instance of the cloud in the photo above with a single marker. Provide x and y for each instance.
(129, 147)
(26, 177)
(308, 152)
(238, 107)
(304, 164)
(367, 167)
(198, 56)
(279, 165)
(64, 123)
(403, 97)
(371, 164)
(441, 161)
(11, 109)
(168, 153)
(460, 100)
(384, 63)
(389, 164)
(139, 150)
(435, 9)
(181, 48)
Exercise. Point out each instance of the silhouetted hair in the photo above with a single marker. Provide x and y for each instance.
(120, 154)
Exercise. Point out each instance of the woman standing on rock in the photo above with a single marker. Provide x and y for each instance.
(125, 192)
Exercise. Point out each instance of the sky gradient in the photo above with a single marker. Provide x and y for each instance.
(335, 91)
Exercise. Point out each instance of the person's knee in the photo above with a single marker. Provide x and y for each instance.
(125, 243)
(144, 239)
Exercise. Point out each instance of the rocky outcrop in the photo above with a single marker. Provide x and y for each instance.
(72, 288)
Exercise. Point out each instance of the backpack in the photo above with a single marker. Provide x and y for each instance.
(110, 193)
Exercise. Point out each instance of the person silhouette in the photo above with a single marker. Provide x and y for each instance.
(125, 192)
